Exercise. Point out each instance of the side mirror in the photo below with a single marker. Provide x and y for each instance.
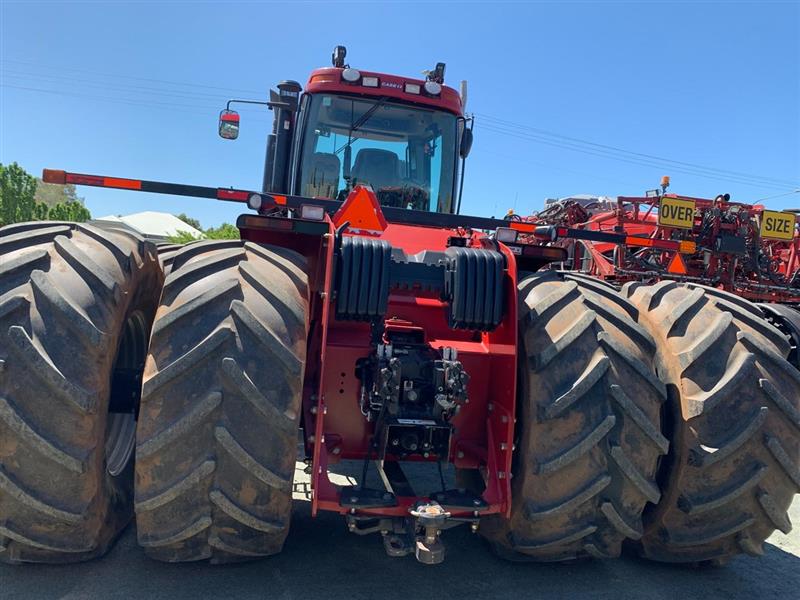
(229, 124)
(466, 143)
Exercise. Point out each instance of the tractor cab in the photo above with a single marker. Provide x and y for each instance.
(406, 154)
(407, 139)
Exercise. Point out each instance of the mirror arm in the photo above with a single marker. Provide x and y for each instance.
(228, 106)
(468, 121)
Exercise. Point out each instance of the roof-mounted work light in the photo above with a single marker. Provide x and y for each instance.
(351, 75)
(433, 88)
(370, 82)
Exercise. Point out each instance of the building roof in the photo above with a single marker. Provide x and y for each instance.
(153, 224)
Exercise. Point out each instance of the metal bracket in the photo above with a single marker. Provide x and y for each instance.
(360, 497)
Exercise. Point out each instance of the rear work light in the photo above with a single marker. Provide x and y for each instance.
(254, 201)
(370, 82)
(351, 75)
(311, 212)
(412, 88)
(506, 235)
(548, 232)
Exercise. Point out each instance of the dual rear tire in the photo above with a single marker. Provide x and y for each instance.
(221, 378)
(588, 424)
(685, 446)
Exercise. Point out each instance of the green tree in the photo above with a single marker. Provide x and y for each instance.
(41, 212)
(183, 237)
(190, 221)
(226, 231)
(17, 191)
(53, 193)
(25, 198)
(70, 211)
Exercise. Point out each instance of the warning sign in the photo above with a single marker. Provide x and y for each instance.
(676, 212)
(677, 266)
(777, 225)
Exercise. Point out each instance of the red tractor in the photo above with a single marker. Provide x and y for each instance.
(429, 355)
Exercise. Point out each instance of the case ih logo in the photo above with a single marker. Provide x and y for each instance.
(391, 84)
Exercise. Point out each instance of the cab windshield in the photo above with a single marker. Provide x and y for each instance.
(405, 153)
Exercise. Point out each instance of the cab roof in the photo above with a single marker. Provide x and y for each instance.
(329, 80)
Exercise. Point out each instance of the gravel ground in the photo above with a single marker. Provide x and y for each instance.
(322, 560)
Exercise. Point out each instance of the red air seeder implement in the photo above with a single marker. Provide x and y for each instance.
(741, 248)
(724, 244)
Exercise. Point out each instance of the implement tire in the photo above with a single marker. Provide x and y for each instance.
(588, 437)
(734, 421)
(76, 306)
(217, 436)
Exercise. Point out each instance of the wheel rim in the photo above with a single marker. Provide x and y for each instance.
(126, 391)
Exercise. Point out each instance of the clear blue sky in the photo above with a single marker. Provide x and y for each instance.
(134, 89)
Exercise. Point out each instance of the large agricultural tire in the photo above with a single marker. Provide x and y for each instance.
(166, 254)
(588, 437)
(76, 306)
(734, 422)
(218, 426)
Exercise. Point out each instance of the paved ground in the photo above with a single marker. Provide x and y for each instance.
(322, 560)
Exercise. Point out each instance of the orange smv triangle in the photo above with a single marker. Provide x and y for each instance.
(677, 266)
(362, 211)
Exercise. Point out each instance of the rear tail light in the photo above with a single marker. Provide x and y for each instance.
(255, 222)
(549, 252)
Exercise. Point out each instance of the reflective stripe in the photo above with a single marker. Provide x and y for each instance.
(126, 184)
(223, 194)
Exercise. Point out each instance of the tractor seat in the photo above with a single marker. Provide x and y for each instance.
(378, 168)
(322, 176)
